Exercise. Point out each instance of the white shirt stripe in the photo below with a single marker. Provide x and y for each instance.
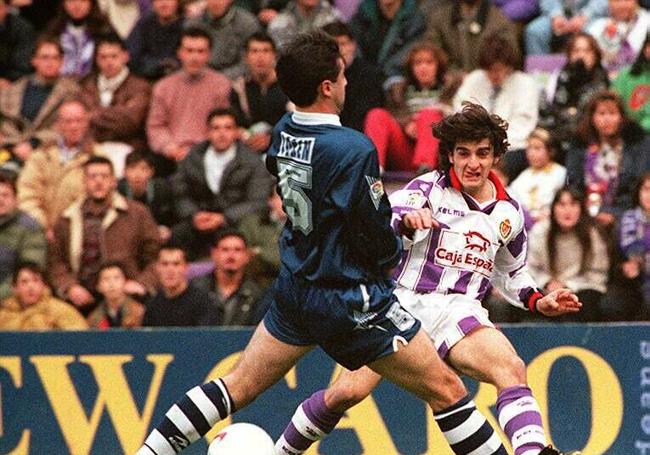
(225, 394)
(489, 447)
(178, 417)
(159, 443)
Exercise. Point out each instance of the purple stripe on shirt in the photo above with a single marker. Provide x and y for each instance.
(430, 275)
(516, 245)
(483, 289)
(468, 324)
(443, 350)
(516, 271)
(460, 287)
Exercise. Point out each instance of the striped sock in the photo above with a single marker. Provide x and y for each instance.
(467, 431)
(521, 420)
(189, 419)
(311, 422)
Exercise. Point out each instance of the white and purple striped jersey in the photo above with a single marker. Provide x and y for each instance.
(475, 247)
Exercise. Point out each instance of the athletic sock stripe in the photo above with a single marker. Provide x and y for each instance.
(492, 446)
(218, 399)
(194, 415)
(465, 403)
(204, 404)
(296, 439)
(474, 441)
(529, 435)
(283, 447)
(305, 426)
(176, 415)
(523, 420)
(471, 425)
(517, 407)
(158, 443)
(455, 420)
(226, 399)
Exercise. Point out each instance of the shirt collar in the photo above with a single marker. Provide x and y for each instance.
(502, 194)
(315, 118)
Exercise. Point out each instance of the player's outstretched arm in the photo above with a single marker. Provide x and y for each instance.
(558, 302)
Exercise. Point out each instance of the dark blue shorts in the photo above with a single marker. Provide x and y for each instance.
(355, 325)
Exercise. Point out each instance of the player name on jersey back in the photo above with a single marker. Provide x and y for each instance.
(296, 148)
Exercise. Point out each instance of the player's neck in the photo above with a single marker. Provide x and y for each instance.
(319, 107)
(487, 192)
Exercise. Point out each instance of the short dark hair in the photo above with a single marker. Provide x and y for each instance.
(496, 48)
(338, 28)
(307, 61)
(111, 265)
(228, 232)
(222, 112)
(195, 32)
(260, 37)
(110, 38)
(27, 265)
(173, 245)
(98, 159)
(138, 156)
(8, 178)
(472, 123)
(45, 40)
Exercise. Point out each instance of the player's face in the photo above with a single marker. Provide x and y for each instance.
(111, 59)
(29, 287)
(566, 212)
(425, 68)
(8, 201)
(537, 153)
(77, 9)
(230, 255)
(171, 268)
(111, 283)
(99, 181)
(194, 53)
(222, 132)
(165, 9)
(607, 119)
(644, 195)
(472, 161)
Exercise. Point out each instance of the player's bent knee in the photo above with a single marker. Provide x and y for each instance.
(343, 396)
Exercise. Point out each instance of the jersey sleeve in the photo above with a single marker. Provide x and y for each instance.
(373, 238)
(511, 275)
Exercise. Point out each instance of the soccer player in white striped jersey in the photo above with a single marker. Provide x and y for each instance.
(462, 234)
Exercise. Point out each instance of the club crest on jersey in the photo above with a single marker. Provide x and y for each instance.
(505, 229)
(416, 199)
(376, 190)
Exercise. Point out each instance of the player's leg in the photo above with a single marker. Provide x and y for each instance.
(317, 416)
(486, 355)
(264, 361)
(417, 368)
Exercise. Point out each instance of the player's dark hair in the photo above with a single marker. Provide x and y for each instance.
(228, 232)
(260, 37)
(111, 265)
(173, 245)
(8, 178)
(195, 32)
(27, 265)
(222, 112)
(582, 230)
(111, 38)
(593, 46)
(98, 159)
(472, 123)
(45, 40)
(307, 61)
(338, 28)
(138, 156)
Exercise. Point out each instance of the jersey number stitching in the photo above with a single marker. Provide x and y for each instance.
(293, 179)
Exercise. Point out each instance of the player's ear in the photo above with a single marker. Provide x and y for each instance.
(450, 155)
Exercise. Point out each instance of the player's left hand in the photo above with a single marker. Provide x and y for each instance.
(558, 302)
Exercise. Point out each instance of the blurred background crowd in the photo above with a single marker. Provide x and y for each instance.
(133, 190)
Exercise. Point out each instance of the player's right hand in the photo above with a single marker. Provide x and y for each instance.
(420, 219)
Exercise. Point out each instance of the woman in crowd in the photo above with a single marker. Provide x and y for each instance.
(402, 132)
(570, 88)
(78, 23)
(535, 187)
(568, 251)
(611, 154)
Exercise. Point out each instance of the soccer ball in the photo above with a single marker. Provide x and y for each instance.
(242, 438)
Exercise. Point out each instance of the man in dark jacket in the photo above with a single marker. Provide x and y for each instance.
(219, 182)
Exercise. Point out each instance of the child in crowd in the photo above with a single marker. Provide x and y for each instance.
(116, 308)
(402, 132)
(535, 187)
(139, 184)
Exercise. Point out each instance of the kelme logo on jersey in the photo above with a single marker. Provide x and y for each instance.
(465, 251)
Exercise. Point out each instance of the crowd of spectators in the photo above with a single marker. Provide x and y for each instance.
(132, 135)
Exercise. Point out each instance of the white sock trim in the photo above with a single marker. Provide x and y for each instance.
(468, 427)
(158, 442)
(517, 407)
(447, 414)
(205, 405)
(178, 418)
(527, 435)
(305, 426)
(225, 394)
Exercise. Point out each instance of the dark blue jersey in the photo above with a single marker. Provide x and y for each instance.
(338, 228)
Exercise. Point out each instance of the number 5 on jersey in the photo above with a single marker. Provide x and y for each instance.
(294, 178)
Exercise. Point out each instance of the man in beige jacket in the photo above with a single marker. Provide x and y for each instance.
(53, 176)
(32, 307)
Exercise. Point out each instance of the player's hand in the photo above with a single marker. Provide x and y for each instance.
(420, 219)
(558, 302)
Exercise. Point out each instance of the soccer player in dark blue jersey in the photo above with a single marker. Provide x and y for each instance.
(334, 289)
